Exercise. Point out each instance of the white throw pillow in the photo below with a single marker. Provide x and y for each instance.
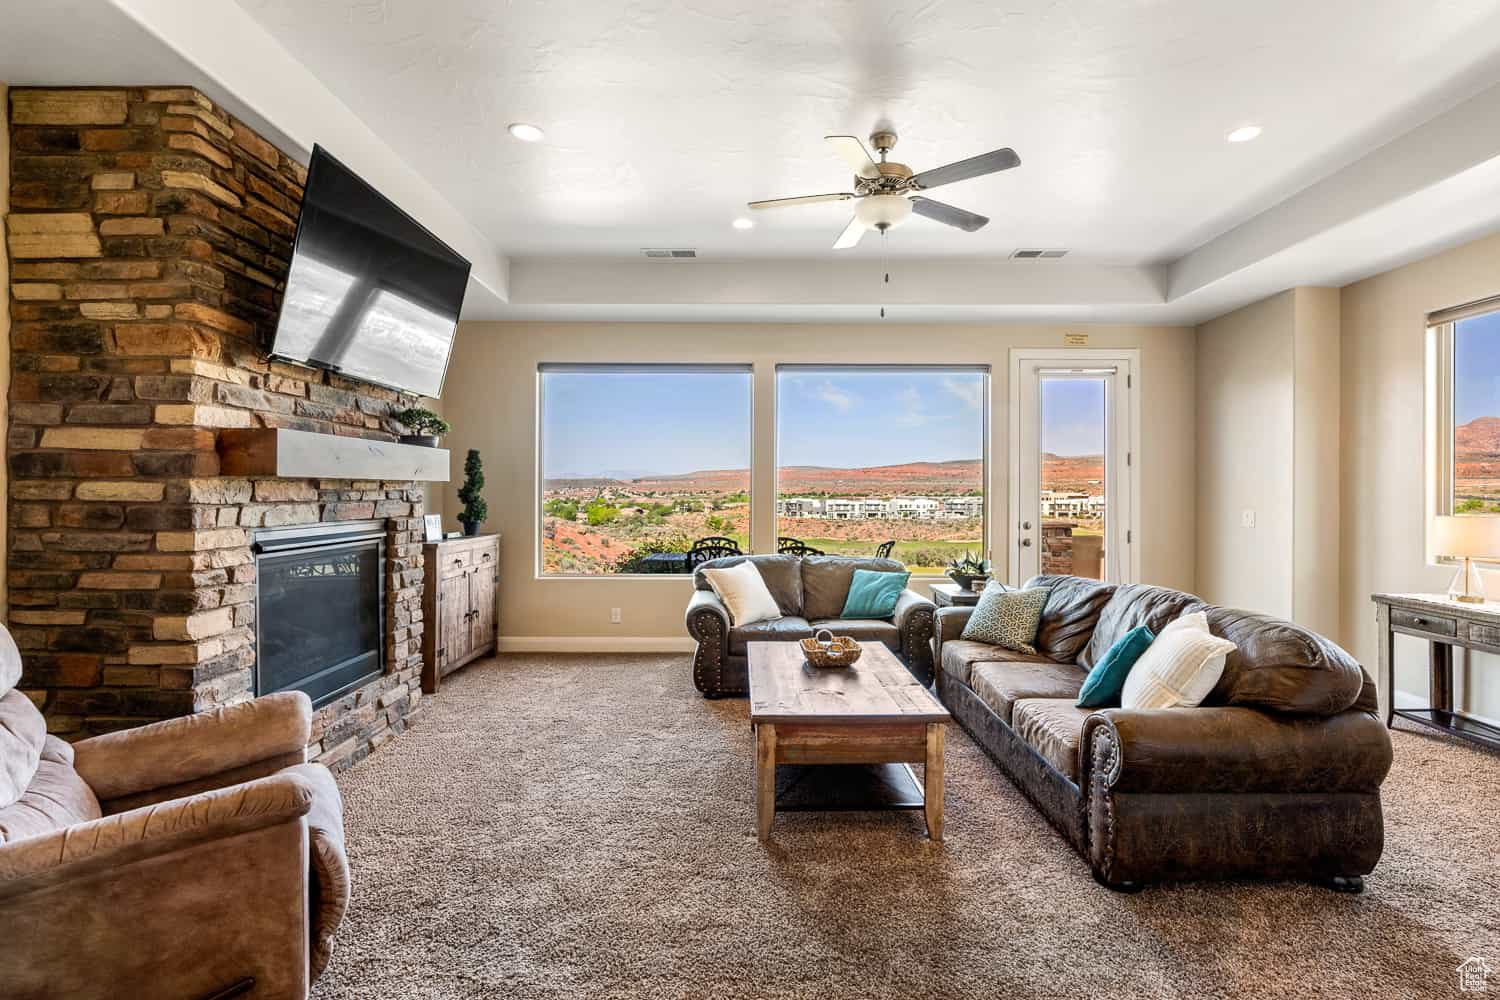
(1180, 668)
(744, 592)
(10, 662)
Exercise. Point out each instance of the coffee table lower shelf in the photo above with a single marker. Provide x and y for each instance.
(847, 788)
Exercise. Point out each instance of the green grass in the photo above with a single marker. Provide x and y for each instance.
(920, 557)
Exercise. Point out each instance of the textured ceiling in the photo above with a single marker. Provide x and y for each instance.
(664, 116)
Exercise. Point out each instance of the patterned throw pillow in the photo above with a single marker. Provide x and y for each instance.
(1007, 618)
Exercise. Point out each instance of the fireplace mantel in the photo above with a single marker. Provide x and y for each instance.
(293, 454)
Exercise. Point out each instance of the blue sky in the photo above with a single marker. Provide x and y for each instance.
(644, 423)
(1476, 368)
(1073, 416)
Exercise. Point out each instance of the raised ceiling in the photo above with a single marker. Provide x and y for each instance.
(664, 116)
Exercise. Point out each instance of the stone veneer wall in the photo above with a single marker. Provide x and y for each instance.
(150, 233)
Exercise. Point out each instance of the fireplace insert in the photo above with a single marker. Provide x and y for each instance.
(319, 608)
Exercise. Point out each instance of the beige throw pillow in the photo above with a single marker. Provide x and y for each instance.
(744, 592)
(1180, 668)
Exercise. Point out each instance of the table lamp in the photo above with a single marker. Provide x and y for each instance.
(1468, 538)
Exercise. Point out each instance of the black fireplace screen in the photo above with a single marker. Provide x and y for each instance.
(320, 608)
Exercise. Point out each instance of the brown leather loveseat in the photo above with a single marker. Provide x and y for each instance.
(811, 592)
(1276, 775)
(195, 857)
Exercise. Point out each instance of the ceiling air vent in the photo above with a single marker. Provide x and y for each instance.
(671, 254)
(1038, 254)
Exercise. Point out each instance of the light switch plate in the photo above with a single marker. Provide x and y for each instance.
(1247, 518)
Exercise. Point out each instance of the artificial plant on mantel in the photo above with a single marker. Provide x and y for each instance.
(475, 509)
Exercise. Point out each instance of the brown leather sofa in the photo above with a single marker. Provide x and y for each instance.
(195, 857)
(1276, 775)
(811, 592)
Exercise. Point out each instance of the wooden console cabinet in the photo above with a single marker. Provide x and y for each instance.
(458, 604)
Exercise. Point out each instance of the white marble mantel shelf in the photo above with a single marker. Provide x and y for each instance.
(292, 454)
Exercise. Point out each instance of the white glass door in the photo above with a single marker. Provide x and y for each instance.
(1072, 465)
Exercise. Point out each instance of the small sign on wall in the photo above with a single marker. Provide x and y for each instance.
(1075, 340)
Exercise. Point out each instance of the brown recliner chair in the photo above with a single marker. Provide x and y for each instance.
(195, 857)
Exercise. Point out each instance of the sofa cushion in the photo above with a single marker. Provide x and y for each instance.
(743, 591)
(863, 630)
(1071, 614)
(788, 628)
(1007, 618)
(961, 655)
(1053, 727)
(57, 797)
(22, 733)
(1132, 605)
(10, 662)
(1179, 668)
(1283, 667)
(782, 573)
(873, 594)
(825, 582)
(1002, 683)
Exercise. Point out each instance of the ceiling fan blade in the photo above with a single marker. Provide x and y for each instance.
(806, 199)
(974, 166)
(850, 236)
(948, 215)
(855, 154)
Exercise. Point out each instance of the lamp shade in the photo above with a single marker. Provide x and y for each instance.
(1475, 536)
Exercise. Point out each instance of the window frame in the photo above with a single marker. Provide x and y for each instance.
(630, 368)
(1440, 421)
(985, 417)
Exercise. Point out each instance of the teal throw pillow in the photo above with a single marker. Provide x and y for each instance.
(1007, 618)
(1102, 687)
(873, 594)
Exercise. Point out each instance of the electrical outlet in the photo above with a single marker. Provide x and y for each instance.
(1247, 518)
(614, 616)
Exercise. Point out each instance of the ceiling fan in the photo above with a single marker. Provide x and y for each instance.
(886, 192)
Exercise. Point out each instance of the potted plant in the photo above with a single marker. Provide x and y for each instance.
(475, 509)
(422, 425)
(967, 570)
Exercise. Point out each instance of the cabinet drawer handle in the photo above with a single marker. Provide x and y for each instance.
(1418, 620)
(458, 562)
(486, 555)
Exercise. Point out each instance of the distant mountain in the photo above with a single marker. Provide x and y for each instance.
(1480, 436)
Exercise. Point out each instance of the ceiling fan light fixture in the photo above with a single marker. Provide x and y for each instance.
(743, 223)
(882, 211)
(525, 132)
(1243, 134)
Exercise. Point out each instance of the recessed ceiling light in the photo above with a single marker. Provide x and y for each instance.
(1244, 133)
(743, 223)
(525, 132)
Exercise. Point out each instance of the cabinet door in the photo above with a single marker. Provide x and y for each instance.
(453, 620)
(482, 603)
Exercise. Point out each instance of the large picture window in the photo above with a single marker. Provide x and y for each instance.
(875, 455)
(640, 462)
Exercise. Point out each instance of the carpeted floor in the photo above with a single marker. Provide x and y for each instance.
(574, 826)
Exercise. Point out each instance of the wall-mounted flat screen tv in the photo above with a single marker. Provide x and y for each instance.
(371, 294)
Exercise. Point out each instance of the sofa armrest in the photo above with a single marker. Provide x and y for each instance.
(275, 729)
(708, 624)
(910, 602)
(1234, 749)
(947, 626)
(127, 837)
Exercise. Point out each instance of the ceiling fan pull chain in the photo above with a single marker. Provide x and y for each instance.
(885, 259)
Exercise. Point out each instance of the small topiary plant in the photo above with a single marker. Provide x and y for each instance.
(475, 509)
(421, 421)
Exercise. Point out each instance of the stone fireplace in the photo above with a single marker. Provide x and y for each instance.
(149, 235)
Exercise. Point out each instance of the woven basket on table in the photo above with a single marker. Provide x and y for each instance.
(842, 651)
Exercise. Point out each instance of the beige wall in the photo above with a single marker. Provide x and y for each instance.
(1268, 447)
(1384, 482)
(490, 399)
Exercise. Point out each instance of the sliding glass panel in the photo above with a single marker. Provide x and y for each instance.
(882, 456)
(1476, 414)
(639, 464)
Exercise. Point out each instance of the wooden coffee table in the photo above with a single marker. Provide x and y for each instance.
(875, 712)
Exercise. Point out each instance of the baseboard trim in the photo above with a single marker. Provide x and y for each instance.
(596, 644)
